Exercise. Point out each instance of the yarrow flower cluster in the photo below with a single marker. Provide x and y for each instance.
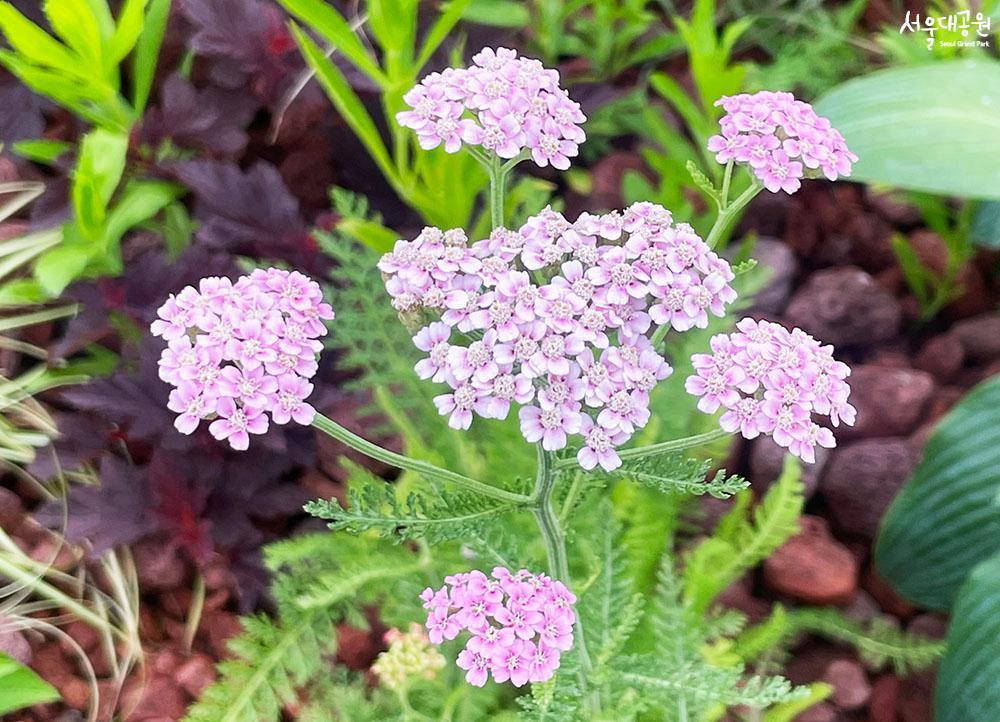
(502, 103)
(410, 656)
(520, 623)
(771, 381)
(782, 140)
(239, 351)
(554, 317)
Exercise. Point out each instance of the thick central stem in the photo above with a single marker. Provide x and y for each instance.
(555, 551)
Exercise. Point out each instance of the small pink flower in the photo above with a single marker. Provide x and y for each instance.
(236, 424)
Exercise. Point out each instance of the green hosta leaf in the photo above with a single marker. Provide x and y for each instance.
(41, 151)
(967, 689)
(59, 267)
(947, 519)
(931, 127)
(20, 687)
(985, 231)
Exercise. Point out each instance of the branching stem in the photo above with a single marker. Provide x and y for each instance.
(555, 550)
(374, 451)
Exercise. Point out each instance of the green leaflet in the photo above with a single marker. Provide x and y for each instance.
(947, 519)
(744, 539)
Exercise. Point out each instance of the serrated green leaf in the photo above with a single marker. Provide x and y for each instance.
(946, 519)
(931, 127)
(967, 689)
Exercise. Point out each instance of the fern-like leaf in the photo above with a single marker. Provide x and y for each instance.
(673, 473)
(879, 643)
(740, 542)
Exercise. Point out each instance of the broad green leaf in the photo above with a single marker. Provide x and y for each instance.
(967, 689)
(346, 101)
(985, 231)
(931, 127)
(97, 173)
(444, 24)
(76, 24)
(147, 50)
(34, 44)
(20, 687)
(946, 519)
(127, 32)
(335, 30)
(140, 201)
(59, 267)
(372, 234)
(41, 151)
(498, 13)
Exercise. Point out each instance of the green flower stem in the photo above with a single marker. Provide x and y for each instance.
(498, 182)
(555, 551)
(729, 212)
(686, 442)
(374, 451)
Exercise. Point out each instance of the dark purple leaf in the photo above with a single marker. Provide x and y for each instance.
(213, 119)
(20, 112)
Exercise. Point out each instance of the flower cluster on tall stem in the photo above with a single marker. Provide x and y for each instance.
(555, 317)
(520, 623)
(770, 380)
(238, 351)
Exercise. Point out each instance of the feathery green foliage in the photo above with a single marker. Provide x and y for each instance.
(680, 474)
(742, 540)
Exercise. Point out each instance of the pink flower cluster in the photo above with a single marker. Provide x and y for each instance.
(237, 351)
(771, 381)
(555, 317)
(782, 140)
(520, 623)
(502, 103)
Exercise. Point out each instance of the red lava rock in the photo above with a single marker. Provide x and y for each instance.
(195, 674)
(821, 712)
(11, 510)
(889, 400)
(929, 624)
(812, 566)
(916, 694)
(357, 648)
(861, 480)
(219, 627)
(320, 486)
(164, 662)
(845, 306)
(941, 356)
(218, 576)
(979, 336)
(884, 699)
(607, 177)
(851, 689)
(893, 207)
(15, 645)
(49, 662)
(886, 596)
(930, 249)
(766, 459)
(159, 566)
(739, 596)
(75, 692)
(159, 698)
(782, 265)
(976, 297)
(862, 608)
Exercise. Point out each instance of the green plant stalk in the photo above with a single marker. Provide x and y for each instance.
(374, 451)
(498, 178)
(41, 587)
(730, 212)
(555, 551)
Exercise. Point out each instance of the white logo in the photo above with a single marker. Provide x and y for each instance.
(958, 22)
